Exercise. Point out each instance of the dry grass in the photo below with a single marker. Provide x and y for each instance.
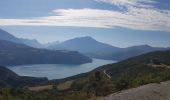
(161, 65)
(40, 88)
(64, 86)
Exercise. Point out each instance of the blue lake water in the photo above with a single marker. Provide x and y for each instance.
(57, 71)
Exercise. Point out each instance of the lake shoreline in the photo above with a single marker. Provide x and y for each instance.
(58, 71)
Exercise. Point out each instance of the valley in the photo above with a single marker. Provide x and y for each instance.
(84, 49)
(79, 69)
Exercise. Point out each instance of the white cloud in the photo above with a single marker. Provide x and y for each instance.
(137, 18)
(136, 3)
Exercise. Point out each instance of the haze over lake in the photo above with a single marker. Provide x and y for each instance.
(57, 71)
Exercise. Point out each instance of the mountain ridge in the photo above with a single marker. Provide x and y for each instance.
(17, 54)
(84, 45)
(32, 42)
(92, 48)
(87, 46)
(7, 36)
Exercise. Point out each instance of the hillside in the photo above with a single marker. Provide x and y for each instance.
(139, 65)
(148, 68)
(19, 54)
(10, 79)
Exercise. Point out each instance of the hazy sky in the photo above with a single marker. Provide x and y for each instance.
(120, 23)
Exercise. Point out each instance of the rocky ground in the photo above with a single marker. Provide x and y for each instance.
(153, 91)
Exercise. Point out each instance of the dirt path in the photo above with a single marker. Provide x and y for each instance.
(107, 74)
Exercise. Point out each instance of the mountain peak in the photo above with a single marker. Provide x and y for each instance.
(84, 45)
(87, 38)
(145, 45)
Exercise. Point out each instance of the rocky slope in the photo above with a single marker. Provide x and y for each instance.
(154, 91)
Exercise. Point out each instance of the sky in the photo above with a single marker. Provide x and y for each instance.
(121, 23)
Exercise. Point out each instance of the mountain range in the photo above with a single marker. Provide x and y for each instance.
(84, 45)
(87, 46)
(96, 49)
(18, 51)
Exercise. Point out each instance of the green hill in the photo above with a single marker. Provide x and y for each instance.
(10, 79)
(148, 68)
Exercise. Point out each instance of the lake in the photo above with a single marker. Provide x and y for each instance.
(57, 71)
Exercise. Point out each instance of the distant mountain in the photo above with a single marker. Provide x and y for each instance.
(32, 43)
(10, 79)
(129, 52)
(95, 49)
(7, 36)
(86, 45)
(19, 54)
(50, 44)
